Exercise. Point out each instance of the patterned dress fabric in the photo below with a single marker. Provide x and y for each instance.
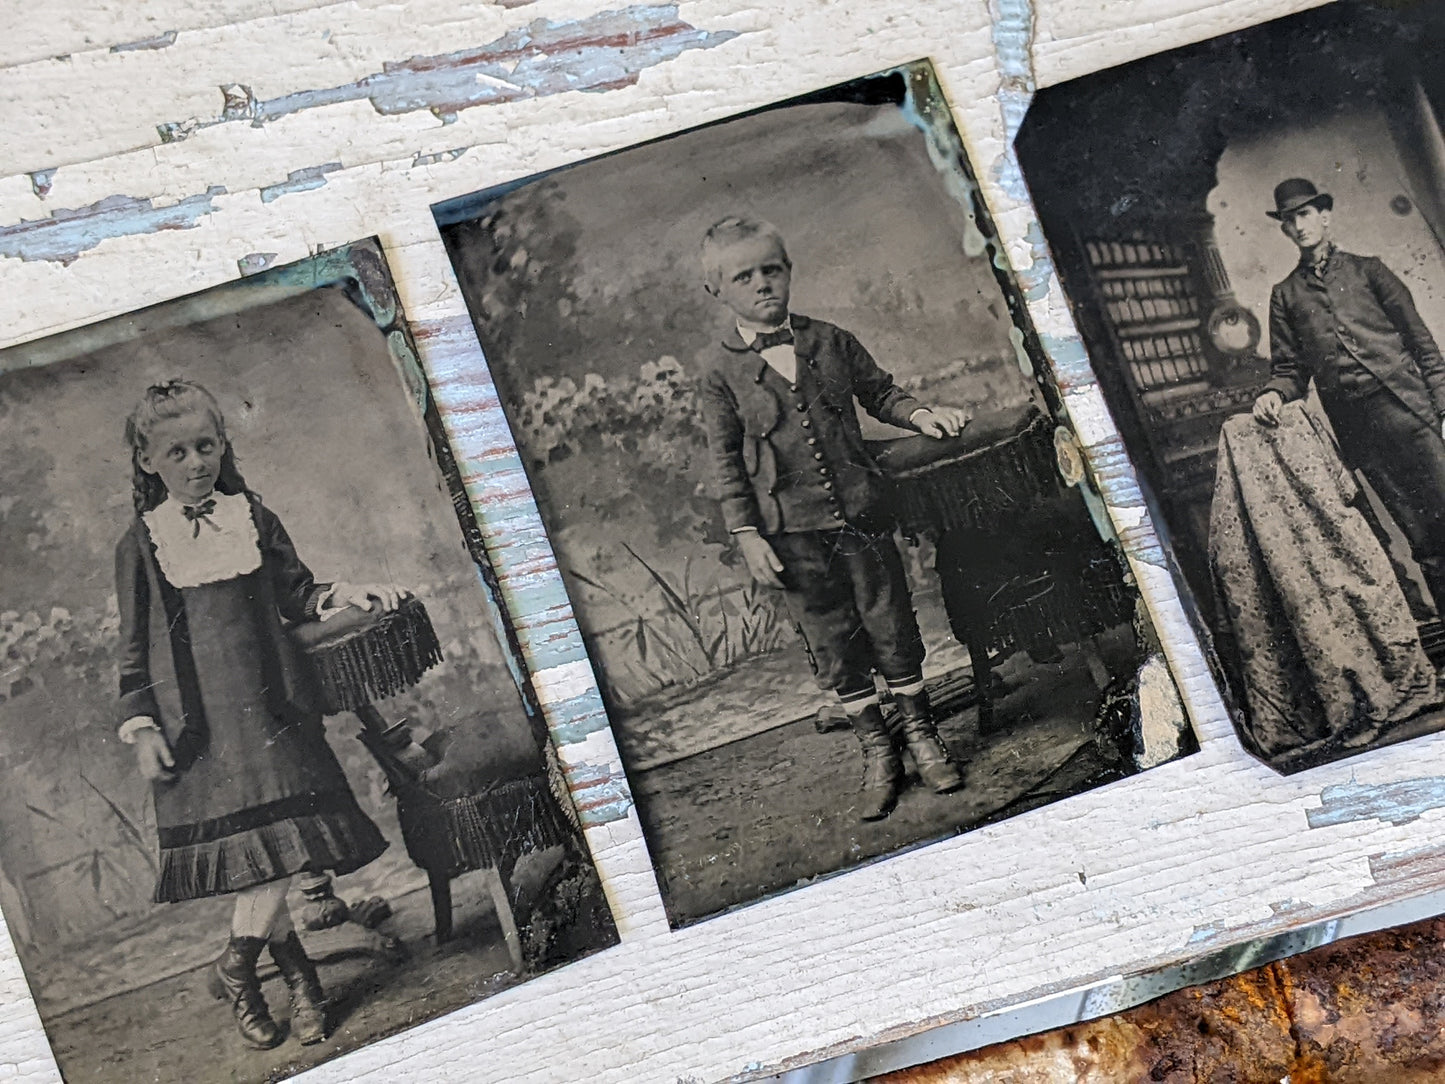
(1330, 653)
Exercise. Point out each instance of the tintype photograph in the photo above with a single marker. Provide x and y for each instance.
(841, 580)
(272, 792)
(1249, 232)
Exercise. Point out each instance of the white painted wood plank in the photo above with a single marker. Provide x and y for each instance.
(94, 104)
(60, 29)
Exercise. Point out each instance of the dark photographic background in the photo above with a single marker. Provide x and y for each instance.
(1151, 181)
(327, 432)
(587, 295)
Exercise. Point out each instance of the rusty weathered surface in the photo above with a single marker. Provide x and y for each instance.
(1368, 1010)
(1371, 1008)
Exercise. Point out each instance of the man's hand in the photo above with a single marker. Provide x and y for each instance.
(1267, 408)
(762, 562)
(153, 755)
(939, 422)
(362, 596)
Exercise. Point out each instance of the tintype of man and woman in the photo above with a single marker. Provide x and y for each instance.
(1254, 258)
(1330, 642)
(1330, 647)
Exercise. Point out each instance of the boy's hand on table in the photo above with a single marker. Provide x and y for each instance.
(362, 595)
(153, 755)
(939, 422)
(762, 562)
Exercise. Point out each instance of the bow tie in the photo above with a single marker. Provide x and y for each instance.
(766, 340)
(194, 513)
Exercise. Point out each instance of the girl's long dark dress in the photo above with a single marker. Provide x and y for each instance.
(258, 794)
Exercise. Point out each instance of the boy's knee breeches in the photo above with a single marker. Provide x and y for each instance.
(848, 594)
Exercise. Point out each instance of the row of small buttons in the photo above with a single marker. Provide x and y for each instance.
(827, 484)
(806, 423)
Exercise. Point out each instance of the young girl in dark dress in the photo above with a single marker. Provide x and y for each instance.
(247, 791)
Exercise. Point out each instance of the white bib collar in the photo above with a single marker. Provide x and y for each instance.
(225, 546)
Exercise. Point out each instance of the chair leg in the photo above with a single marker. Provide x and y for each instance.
(1089, 648)
(506, 918)
(441, 903)
(982, 683)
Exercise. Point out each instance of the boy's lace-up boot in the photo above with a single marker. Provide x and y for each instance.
(882, 766)
(915, 723)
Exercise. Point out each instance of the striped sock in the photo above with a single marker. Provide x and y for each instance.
(911, 685)
(857, 701)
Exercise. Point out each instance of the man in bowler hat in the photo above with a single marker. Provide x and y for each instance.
(1350, 324)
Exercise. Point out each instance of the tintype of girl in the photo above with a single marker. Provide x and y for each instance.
(247, 791)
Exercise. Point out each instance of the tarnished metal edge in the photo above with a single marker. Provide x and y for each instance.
(1105, 997)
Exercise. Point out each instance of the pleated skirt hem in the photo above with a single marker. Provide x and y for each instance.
(337, 842)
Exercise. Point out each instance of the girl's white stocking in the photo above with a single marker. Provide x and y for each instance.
(257, 909)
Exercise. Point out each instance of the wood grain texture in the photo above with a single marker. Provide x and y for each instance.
(99, 215)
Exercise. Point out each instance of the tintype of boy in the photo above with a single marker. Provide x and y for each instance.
(1351, 324)
(803, 498)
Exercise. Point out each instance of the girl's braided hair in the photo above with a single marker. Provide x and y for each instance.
(171, 399)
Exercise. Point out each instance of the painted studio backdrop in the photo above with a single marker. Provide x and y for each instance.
(333, 427)
(587, 294)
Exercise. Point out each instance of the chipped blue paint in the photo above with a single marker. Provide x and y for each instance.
(600, 794)
(1069, 358)
(1202, 933)
(1115, 473)
(1397, 803)
(1013, 38)
(575, 719)
(529, 582)
(440, 156)
(1035, 279)
(160, 41)
(68, 232)
(600, 52)
(1144, 546)
(497, 486)
(299, 180)
(41, 180)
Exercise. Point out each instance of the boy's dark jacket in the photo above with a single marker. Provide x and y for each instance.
(792, 458)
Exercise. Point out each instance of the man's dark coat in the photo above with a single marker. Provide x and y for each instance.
(1359, 314)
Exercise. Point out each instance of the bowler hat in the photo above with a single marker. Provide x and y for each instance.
(1291, 195)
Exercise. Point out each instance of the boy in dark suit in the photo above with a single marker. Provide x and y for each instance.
(803, 498)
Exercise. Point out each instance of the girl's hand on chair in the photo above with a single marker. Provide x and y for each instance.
(364, 595)
(153, 755)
